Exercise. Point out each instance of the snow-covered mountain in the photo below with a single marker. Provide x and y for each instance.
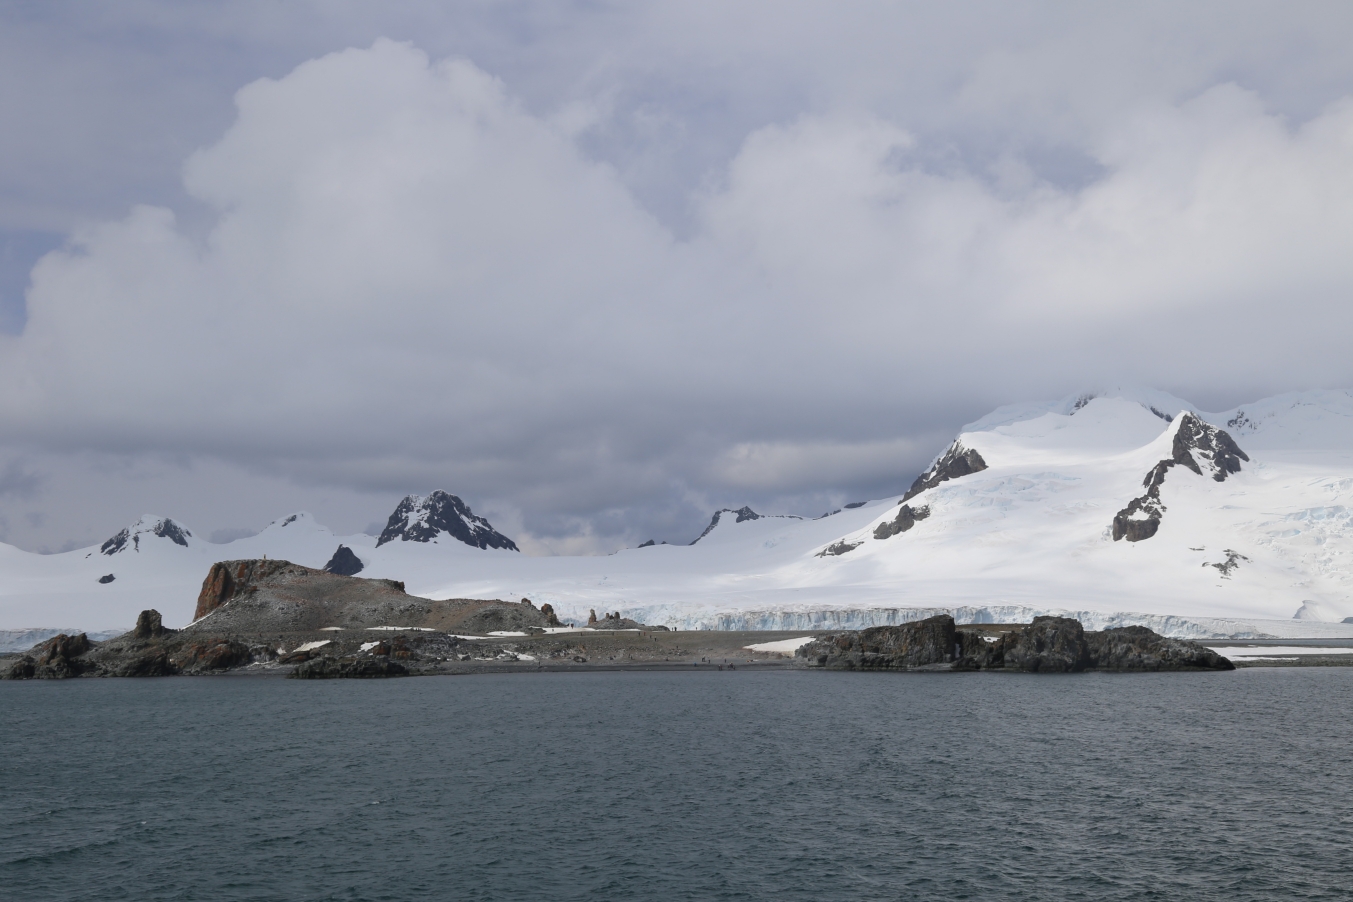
(1120, 506)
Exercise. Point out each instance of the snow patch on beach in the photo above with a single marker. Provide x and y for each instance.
(781, 647)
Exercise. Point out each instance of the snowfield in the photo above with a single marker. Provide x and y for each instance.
(1029, 534)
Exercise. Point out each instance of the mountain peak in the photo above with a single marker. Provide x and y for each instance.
(149, 525)
(422, 519)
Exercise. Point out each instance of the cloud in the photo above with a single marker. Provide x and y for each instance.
(413, 280)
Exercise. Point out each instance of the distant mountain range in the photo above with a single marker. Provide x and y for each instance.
(1119, 506)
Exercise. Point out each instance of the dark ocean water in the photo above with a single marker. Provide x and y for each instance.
(667, 786)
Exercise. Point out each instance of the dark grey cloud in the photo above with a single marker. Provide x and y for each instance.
(601, 268)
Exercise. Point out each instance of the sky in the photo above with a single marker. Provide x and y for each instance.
(603, 268)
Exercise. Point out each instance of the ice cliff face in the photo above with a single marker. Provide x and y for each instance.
(419, 519)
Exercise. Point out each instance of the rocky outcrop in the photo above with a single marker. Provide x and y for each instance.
(1048, 645)
(955, 463)
(328, 668)
(106, 578)
(906, 518)
(252, 597)
(743, 514)
(344, 562)
(835, 549)
(1197, 446)
(924, 643)
(613, 621)
(1132, 649)
(59, 658)
(149, 625)
(212, 654)
(228, 580)
(418, 519)
(547, 611)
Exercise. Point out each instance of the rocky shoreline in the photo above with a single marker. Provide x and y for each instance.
(278, 618)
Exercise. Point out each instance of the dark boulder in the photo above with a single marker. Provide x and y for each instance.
(107, 578)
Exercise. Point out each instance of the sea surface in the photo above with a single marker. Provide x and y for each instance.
(667, 786)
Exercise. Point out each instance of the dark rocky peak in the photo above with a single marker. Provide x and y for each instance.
(958, 461)
(130, 537)
(418, 519)
(344, 562)
(1196, 445)
(1205, 449)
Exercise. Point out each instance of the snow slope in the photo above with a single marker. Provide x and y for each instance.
(1030, 533)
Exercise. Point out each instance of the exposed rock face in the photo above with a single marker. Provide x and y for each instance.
(906, 518)
(228, 580)
(1232, 562)
(60, 657)
(1048, 645)
(1198, 446)
(1136, 648)
(131, 536)
(504, 616)
(742, 513)
(326, 668)
(218, 654)
(838, 548)
(904, 647)
(107, 578)
(957, 462)
(253, 597)
(344, 562)
(149, 625)
(547, 611)
(613, 621)
(418, 519)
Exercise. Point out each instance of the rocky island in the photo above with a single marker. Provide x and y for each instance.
(272, 616)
